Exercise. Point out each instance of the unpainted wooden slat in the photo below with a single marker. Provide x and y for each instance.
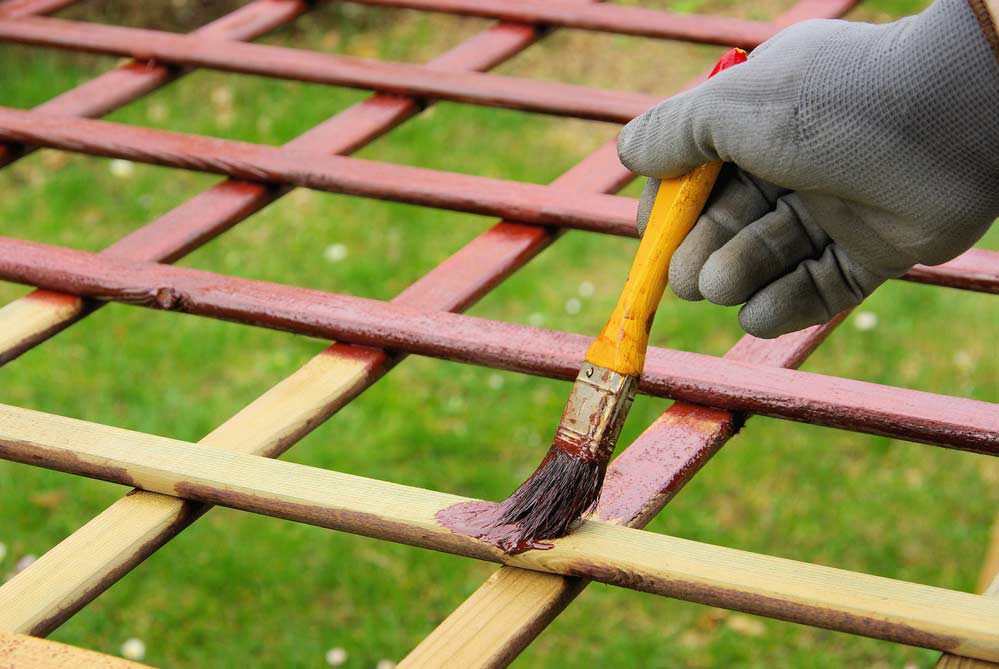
(812, 594)
(18, 651)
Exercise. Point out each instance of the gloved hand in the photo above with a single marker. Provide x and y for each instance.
(859, 151)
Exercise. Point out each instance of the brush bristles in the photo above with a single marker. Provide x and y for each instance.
(549, 503)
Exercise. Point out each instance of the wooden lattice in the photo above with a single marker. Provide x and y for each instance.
(179, 481)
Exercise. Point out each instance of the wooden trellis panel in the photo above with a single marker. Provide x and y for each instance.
(180, 481)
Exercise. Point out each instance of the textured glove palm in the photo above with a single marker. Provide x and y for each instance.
(858, 151)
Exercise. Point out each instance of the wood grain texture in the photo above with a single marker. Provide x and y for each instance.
(25, 652)
(508, 611)
(728, 384)
(90, 560)
(622, 343)
(40, 598)
(816, 595)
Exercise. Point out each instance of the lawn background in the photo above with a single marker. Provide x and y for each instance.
(237, 590)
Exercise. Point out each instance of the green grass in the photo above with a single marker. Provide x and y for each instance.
(237, 590)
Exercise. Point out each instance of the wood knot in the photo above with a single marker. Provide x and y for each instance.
(168, 298)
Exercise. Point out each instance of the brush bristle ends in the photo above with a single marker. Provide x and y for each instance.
(560, 492)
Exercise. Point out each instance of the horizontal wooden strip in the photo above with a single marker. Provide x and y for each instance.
(816, 595)
(640, 21)
(701, 379)
(975, 269)
(530, 203)
(298, 164)
(286, 63)
(511, 608)
(130, 81)
(82, 566)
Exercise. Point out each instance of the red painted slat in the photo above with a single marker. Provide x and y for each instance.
(14, 8)
(717, 382)
(132, 80)
(640, 21)
(286, 63)
(519, 201)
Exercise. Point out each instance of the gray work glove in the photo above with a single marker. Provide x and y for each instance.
(859, 151)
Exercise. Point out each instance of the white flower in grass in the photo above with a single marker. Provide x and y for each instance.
(336, 656)
(385, 664)
(335, 252)
(3, 551)
(222, 96)
(536, 320)
(133, 649)
(865, 320)
(586, 289)
(572, 306)
(495, 381)
(24, 562)
(122, 169)
(963, 360)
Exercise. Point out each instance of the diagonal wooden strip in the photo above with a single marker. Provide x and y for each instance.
(527, 202)
(508, 611)
(396, 78)
(816, 595)
(13, 8)
(67, 577)
(24, 652)
(37, 316)
(291, 165)
(133, 79)
(728, 384)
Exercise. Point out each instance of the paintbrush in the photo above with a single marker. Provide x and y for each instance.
(567, 483)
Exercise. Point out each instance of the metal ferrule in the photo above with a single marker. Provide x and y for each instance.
(595, 412)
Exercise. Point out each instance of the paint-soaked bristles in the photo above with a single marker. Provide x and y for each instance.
(550, 503)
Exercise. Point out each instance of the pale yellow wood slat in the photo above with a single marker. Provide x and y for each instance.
(26, 652)
(858, 603)
(988, 584)
(69, 575)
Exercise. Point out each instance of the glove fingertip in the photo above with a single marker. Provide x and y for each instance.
(759, 318)
(683, 277)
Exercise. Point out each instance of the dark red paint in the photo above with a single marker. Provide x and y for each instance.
(397, 78)
(519, 201)
(618, 19)
(480, 520)
(702, 379)
(132, 80)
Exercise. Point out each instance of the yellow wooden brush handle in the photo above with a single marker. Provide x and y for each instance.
(622, 343)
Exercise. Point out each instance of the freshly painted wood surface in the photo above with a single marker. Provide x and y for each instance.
(27, 652)
(955, 422)
(862, 604)
(621, 345)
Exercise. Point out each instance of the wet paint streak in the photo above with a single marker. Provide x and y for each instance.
(701, 379)
(480, 520)
(395, 78)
